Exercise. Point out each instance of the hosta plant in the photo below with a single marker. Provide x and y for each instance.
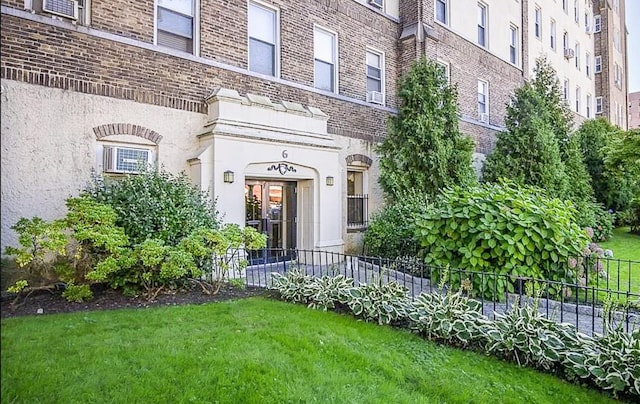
(323, 293)
(379, 302)
(449, 317)
(292, 286)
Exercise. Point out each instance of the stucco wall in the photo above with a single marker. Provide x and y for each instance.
(48, 145)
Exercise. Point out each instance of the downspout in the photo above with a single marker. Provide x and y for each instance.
(419, 32)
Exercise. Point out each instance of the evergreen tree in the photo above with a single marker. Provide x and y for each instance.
(528, 152)
(424, 150)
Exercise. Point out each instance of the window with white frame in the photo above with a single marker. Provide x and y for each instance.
(445, 70)
(482, 24)
(565, 41)
(513, 44)
(375, 76)
(175, 24)
(598, 64)
(588, 105)
(616, 39)
(587, 23)
(442, 11)
(587, 63)
(577, 56)
(263, 39)
(576, 11)
(125, 158)
(565, 90)
(538, 23)
(617, 75)
(565, 6)
(597, 23)
(598, 105)
(325, 59)
(483, 99)
(552, 34)
(578, 95)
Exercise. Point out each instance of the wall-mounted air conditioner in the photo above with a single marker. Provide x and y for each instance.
(64, 8)
(125, 160)
(569, 53)
(484, 117)
(375, 97)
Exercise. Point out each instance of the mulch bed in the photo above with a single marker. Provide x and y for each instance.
(105, 298)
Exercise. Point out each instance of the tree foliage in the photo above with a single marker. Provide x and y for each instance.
(424, 149)
(527, 152)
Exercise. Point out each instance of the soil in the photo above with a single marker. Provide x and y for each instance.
(105, 298)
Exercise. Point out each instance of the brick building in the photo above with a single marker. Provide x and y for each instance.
(611, 61)
(275, 103)
(634, 110)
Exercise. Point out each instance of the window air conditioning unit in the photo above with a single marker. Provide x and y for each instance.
(125, 160)
(484, 117)
(569, 53)
(375, 97)
(64, 8)
(376, 3)
(588, 29)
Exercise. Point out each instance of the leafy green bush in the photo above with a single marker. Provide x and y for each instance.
(391, 232)
(77, 293)
(631, 216)
(504, 229)
(380, 302)
(155, 203)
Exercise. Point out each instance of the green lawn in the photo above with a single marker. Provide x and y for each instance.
(625, 246)
(251, 351)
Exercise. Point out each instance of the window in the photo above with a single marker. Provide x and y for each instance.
(442, 11)
(617, 75)
(587, 63)
(578, 99)
(597, 23)
(375, 75)
(616, 5)
(124, 159)
(482, 24)
(565, 5)
(483, 93)
(598, 105)
(576, 11)
(565, 41)
(588, 105)
(263, 39)
(175, 24)
(577, 56)
(552, 34)
(513, 46)
(598, 64)
(324, 49)
(445, 69)
(565, 92)
(357, 200)
(587, 24)
(538, 21)
(616, 39)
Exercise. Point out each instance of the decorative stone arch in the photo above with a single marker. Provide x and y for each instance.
(113, 129)
(359, 158)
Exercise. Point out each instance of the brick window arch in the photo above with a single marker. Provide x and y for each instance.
(359, 158)
(112, 129)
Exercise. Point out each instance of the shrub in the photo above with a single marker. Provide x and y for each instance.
(155, 203)
(77, 293)
(391, 232)
(505, 229)
(424, 149)
(631, 216)
(379, 302)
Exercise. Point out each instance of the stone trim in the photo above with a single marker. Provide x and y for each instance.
(361, 158)
(112, 129)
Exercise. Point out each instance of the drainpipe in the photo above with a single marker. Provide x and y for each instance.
(419, 32)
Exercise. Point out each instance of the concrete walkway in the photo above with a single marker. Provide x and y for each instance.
(587, 318)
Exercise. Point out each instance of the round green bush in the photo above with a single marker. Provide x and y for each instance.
(155, 204)
(503, 229)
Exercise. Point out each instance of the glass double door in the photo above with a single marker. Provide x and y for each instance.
(271, 209)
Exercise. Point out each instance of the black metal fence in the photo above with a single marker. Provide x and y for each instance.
(577, 298)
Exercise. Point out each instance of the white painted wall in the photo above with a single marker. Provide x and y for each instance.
(501, 14)
(565, 68)
(48, 145)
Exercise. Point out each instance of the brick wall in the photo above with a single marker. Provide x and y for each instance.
(67, 58)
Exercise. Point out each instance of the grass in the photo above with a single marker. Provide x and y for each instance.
(625, 246)
(252, 351)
